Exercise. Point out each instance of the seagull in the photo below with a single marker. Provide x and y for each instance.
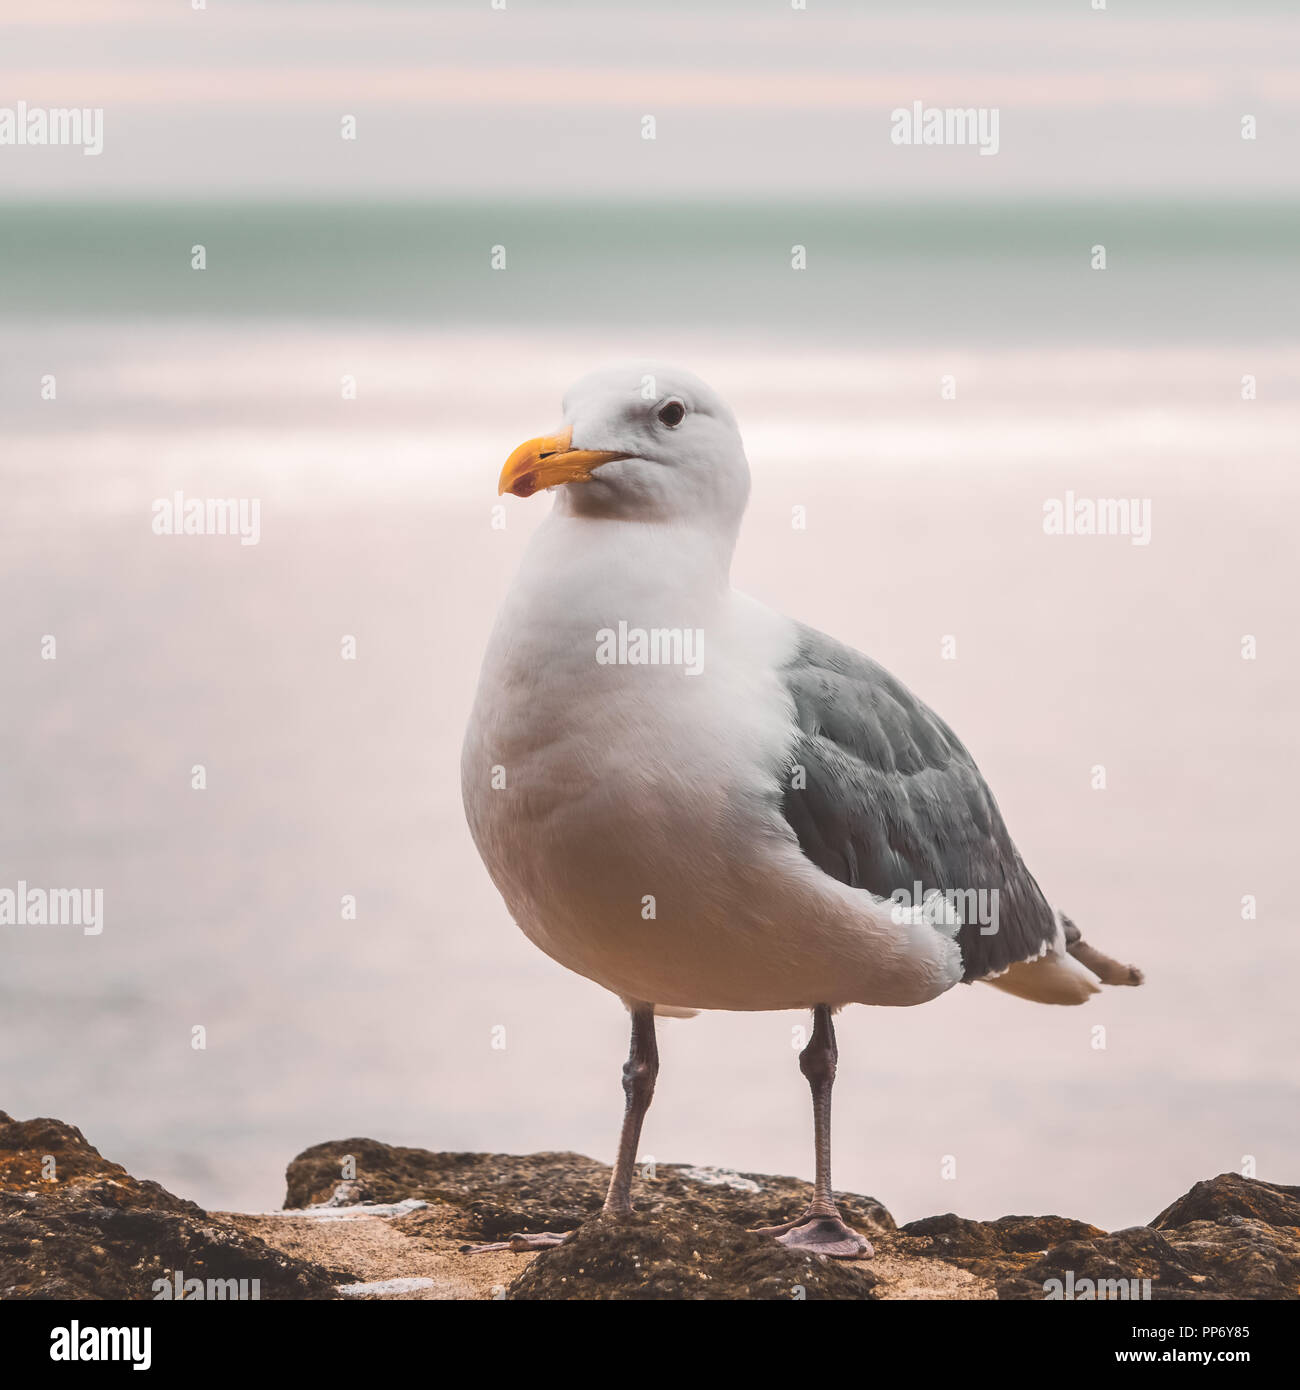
(699, 803)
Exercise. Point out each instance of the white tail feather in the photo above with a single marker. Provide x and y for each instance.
(1051, 980)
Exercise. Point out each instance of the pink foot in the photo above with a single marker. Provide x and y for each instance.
(820, 1235)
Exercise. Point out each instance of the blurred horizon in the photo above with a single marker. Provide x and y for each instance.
(876, 273)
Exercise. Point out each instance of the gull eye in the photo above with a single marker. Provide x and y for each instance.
(672, 413)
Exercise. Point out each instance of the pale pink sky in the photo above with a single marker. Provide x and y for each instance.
(245, 98)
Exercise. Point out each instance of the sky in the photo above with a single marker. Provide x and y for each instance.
(539, 99)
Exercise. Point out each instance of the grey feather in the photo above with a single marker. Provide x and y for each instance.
(892, 798)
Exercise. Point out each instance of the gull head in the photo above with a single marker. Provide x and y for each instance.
(639, 443)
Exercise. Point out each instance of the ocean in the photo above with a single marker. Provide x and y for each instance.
(936, 377)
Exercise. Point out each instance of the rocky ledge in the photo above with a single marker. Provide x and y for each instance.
(370, 1220)
(74, 1225)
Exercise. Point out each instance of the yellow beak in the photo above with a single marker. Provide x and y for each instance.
(549, 460)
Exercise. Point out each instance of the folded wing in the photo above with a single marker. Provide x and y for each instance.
(889, 797)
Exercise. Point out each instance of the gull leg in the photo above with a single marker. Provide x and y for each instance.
(820, 1229)
(639, 1073)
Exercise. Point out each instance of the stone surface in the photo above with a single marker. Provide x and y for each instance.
(1008, 1235)
(495, 1193)
(498, 1194)
(1232, 1195)
(74, 1225)
(678, 1255)
(1238, 1258)
(1229, 1237)
(90, 1230)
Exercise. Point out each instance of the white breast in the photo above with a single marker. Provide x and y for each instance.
(630, 813)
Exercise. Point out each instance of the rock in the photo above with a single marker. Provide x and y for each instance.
(30, 1149)
(1008, 1235)
(1232, 1195)
(499, 1194)
(1232, 1256)
(82, 1227)
(496, 1193)
(677, 1255)
(1201, 1260)
(1137, 1253)
(764, 1201)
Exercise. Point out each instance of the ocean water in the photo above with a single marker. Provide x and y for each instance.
(877, 274)
(328, 778)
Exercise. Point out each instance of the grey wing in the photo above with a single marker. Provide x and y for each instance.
(891, 798)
